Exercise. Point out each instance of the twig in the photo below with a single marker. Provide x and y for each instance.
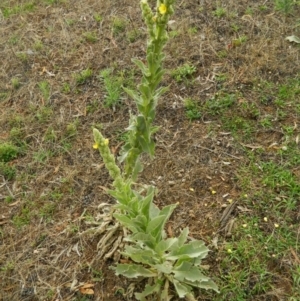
(215, 152)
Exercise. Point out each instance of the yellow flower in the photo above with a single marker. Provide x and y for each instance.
(106, 141)
(162, 9)
(95, 145)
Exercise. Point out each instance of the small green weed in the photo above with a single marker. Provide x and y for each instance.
(13, 40)
(38, 45)
(66, 88)
(7, 171)
(262, 7)
(90, 37)
(23, 218)
(83, 76)
(113, 87)
(3, 95)
(219, 103)
(16, 136)
(239, 41)
(173, 34)
(50, 135)
(92, 107)
(222, 54)
(133, 35)
(284, 6)
(235, 27)
(183, 72)
(22, 8)
(238, 124)
(249, 11)
(54, 1)
(71, 129)
(192, 31)
(191, 109)
(15, 83)
(98, 18)
(220, 12)
(16, 121)
(44, 87)
(43, 114)
(42, 156)
(22, 56)
(97, 275)
(122, 136)
(280, 179)
(290, 155)
(47, 211)
(266, 121)
(70, 22)
(118, 26)
(8, 266)
(8, 152)
(222, 77)
(251, 110)
(9, 199)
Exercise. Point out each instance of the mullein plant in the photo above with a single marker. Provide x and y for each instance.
(150, 253)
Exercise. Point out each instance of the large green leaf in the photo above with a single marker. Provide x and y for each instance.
(145, 256)
(122, 198)
(140, 222)
(138, 168)
(133, 94)
(154, 211)
(166, 267)
(126, 222)
(145, 203)
(133, 271)
(143, 238)
(183, 237)
(158, 77)
(149, 289)
(181, 288)
(146, 92)
(166, 244)
(193, 249)
(155, 225)
(167, 211)
(142, 66)
(160, 91)
(148, 146)
(209, 284)
(186, 271)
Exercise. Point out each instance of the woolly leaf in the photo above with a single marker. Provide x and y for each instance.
(133, 271)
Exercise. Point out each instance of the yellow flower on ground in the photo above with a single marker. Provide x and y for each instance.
(162, 9)
(95, 145)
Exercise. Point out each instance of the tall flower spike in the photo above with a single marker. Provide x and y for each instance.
(109, 160)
